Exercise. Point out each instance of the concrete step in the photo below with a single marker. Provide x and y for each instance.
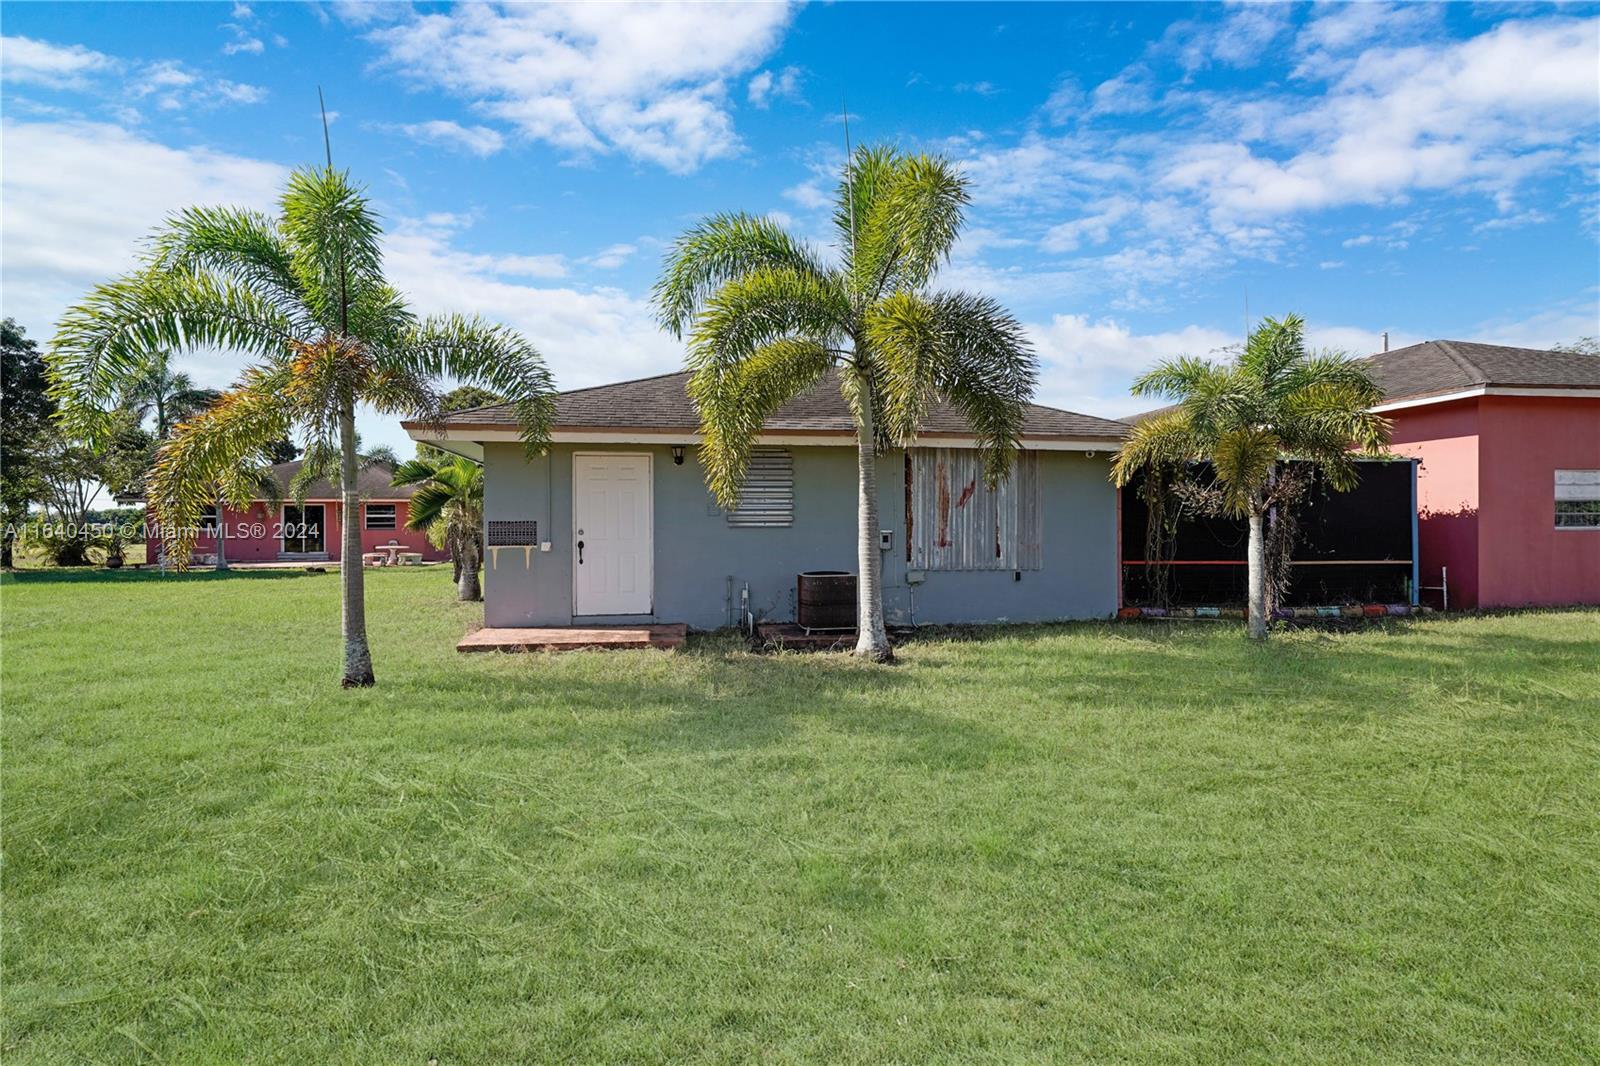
(574, 638)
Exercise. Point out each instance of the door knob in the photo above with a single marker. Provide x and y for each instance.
(580, 553)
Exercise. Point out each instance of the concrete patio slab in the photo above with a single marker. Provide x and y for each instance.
(573, 638)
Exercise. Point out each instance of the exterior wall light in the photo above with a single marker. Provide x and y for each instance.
(677, 455)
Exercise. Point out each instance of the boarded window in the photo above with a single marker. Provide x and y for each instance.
(959, 523)
(380, 516)
(1578, 499)
(768, 496)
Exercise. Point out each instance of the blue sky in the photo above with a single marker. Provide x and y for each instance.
(1142, 173)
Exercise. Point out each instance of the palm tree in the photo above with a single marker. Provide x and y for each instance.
(303, 293)
(1275, 402)
(155, 389)
(449, 504)
(769, 317)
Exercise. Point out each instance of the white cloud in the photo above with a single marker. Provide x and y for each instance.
(1336, 33)
(1403, 120)
(588, 337)
(1066, 101)
(652, 85)
(432, 234)
(244, 43)
(1094, 227)
(1563, 322)
(1330, 264)
(26, 61)
(767, 86)
(1482, 114)
(67, 228)
(238, 93)
(1086, 364)
(611, 257)
(175, 87)
(1129, 93)
(479, 140)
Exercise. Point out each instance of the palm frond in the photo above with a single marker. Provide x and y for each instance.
(1161, 440)
(334, 242)
(964, 348)
(213, 454)
(477, 352)
(720, 249)
(1242, 460)
(763, 306)
(867, 172)
(107, 339)
(1273, 348)
(416, 471)
(452, 491)
(735, 401)
(910, 226)
(238, 244)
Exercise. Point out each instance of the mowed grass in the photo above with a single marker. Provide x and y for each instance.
(1077, 843)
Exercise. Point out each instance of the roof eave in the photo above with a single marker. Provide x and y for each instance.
(1422, 399)
(480, 434)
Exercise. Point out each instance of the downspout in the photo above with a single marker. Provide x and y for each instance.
(1416, 545)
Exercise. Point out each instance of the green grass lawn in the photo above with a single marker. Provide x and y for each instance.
(1078, 843)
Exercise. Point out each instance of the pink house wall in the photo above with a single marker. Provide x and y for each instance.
(1445, 438)
(255, 535)
(1523, 559)
(1486, 498)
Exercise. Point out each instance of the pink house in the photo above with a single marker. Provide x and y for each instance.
(1508, 490)
(312, 531)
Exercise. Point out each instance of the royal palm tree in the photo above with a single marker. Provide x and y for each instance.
(448, 504)
(1275, 402)
(768, 317)
(303, 294)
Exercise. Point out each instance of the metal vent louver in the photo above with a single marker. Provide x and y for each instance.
(512, 534)
(768, 496)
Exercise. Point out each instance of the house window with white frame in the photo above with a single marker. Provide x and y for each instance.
(1578, 499)
(380, 516)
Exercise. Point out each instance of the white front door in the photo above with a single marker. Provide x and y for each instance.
(613, 569)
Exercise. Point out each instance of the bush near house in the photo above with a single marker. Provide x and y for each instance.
(1075, 843)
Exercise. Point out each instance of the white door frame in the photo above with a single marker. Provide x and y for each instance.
(649, 526)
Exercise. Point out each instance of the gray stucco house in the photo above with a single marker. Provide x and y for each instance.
(621, 479)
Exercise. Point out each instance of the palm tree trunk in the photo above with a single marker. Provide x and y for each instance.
(872, 641)
(467, 589)
(1258, 578)
(222, 538)
(353, 607)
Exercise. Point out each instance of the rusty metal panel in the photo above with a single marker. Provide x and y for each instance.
(961, 524)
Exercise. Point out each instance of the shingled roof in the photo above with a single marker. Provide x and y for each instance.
(662, 404)
(1434, 368)
(372, 481)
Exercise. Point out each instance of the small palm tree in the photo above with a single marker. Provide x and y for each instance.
(1277, 401)
(448, 504)
(304, 294)
(768, 317)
